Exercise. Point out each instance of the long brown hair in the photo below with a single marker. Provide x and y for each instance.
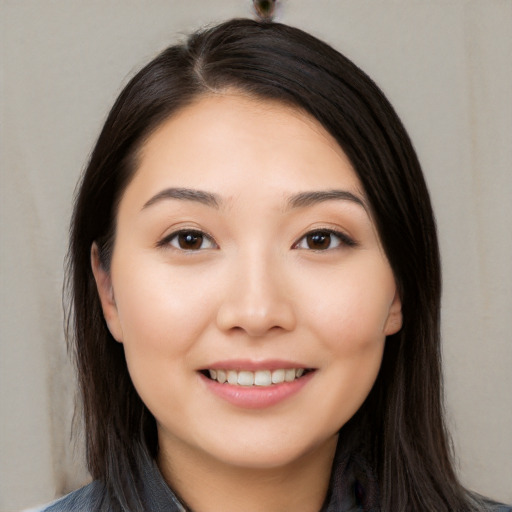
(401, 423)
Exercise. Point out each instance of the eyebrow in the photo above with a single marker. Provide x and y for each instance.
(305, 199)
(301, 200)
(185, 194)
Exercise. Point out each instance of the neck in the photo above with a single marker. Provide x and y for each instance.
(207, 485)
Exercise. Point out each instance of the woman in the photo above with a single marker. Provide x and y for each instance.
(255, 287)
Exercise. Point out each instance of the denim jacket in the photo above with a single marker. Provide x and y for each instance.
(353, 488)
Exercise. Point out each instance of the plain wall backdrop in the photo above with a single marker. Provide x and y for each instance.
(444, 64)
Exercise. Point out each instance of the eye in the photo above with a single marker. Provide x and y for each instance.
(323, 239)
(189, 240)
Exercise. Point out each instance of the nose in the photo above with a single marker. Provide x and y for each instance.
(256, 299)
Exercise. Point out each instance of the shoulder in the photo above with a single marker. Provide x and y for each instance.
(90, 498)
(494, 506)
(498, 507)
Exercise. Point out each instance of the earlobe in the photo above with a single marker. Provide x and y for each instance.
(106, 294)
(394, 320)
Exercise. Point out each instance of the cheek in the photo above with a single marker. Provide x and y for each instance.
(348, 313)
(351, 333)
(351, 306)
(163, 313)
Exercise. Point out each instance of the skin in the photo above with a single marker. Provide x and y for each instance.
(256, 288)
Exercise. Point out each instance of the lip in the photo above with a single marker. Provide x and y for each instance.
(253, 366)
(255, 397)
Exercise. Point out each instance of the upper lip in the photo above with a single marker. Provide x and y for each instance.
(254, 366)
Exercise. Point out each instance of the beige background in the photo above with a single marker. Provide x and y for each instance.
(445, 65)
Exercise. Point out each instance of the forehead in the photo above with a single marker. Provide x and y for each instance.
(228, 142)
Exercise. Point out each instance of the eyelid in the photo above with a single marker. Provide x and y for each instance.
(166, 240)
(345, 240)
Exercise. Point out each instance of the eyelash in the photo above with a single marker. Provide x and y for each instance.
(191, 233)
(343, 240)
(197, 235)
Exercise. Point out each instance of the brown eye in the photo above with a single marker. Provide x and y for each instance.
(188, 240)
(323, 240)
(319, 240)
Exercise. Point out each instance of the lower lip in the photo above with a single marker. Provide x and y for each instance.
(256, 397)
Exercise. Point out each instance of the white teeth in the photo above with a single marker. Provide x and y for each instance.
(289, 375)
(258, 378)
(245, 378)
(263, 378)
(278, 376)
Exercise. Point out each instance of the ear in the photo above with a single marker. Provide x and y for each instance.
(394, 319)
(106, 294)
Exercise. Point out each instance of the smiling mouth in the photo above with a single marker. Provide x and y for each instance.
(263, 378)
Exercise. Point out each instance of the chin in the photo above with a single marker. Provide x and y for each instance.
(272, 453)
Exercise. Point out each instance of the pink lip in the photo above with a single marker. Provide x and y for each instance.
(253, 366)
(255, 397)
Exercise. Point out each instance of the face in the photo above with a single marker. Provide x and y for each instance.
(245, 252)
